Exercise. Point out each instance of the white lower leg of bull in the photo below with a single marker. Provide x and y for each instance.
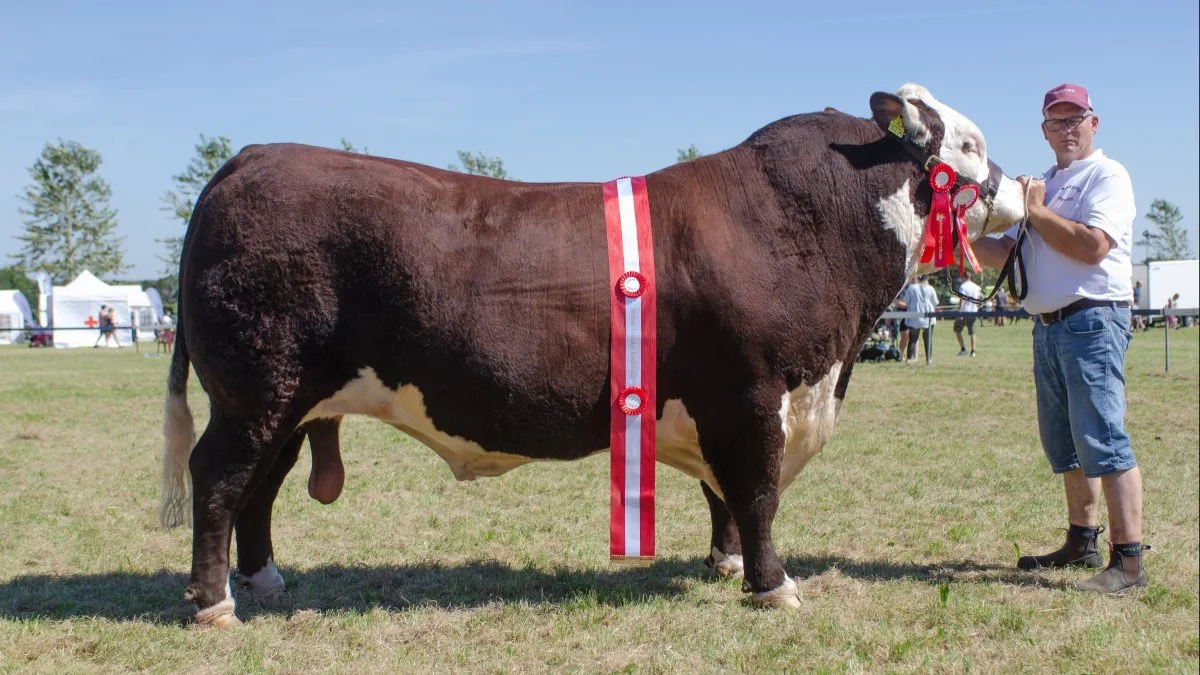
(747, 469)
(255, 553)
(725, 551)
(224, 467)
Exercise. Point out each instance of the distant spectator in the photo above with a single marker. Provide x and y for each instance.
(1002, 306)
(102, 325)
(971, 295)
(919, 297)
(1138, 320)
(1172, 320)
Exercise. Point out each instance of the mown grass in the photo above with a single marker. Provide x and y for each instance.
(902, 534)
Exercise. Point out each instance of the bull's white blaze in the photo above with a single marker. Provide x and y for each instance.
(266, 581)
(899, 215)
(808, 415)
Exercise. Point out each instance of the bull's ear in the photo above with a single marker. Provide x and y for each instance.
(885, 108)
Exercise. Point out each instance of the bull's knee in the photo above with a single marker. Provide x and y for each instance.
(782, 597)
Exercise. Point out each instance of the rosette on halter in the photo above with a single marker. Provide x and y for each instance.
(939, 245)
(964, 198)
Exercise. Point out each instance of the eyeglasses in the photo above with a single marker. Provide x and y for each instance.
(1065, 124)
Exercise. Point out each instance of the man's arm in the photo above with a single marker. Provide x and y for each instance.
(1075, 240)
(992, 251)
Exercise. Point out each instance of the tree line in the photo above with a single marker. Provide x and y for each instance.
(70, 226)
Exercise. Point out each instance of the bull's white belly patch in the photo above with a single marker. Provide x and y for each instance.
(678, 443)
(405, 410)
(808, 415)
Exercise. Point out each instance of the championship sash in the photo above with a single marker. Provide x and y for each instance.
(632, 387)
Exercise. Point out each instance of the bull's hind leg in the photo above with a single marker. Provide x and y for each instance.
(744, 449)
(231, 458)
(725, 554)
(255, 552)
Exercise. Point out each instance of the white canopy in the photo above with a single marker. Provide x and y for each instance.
(14, 313)
(77, 305)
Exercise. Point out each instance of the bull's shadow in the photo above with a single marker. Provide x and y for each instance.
(156, 597)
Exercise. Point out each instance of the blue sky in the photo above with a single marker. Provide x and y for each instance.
(567, 91)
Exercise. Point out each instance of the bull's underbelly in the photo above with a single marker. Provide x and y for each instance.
(807, 415)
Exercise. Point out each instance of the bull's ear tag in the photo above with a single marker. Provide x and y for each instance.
(896, 126)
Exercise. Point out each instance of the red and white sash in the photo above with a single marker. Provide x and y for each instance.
(632, 387)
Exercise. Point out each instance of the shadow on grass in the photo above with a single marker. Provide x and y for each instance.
(157, 597)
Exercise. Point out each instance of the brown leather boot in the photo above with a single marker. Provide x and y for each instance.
(1114, 580)
(1076, 552)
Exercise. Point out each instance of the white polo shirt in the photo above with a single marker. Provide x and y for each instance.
(971, 290)
(1097, 192)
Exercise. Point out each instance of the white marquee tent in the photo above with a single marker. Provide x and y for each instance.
(77, 305)
(14, 313)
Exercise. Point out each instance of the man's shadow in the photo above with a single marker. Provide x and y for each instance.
(157, 596)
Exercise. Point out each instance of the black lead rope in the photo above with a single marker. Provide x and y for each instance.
(1014, 266)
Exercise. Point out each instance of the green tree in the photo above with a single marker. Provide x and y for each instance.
(691, 153)
(13, 278)
(349, 147)
(211, 154)
(70, 226)
(480, 164)
(1170, 242)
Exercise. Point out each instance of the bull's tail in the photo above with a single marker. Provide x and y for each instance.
(179, 433)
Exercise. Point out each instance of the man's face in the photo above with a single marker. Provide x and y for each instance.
(1070, 143)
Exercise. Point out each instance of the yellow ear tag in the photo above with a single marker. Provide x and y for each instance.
(896, 126)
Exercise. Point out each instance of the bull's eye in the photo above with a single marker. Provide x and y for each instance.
(968, 147)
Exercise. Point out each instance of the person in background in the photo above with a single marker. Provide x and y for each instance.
(1138, 320)
(1077, 255)
(103, 324)
(1002, 306)
(919, 297)
(1172, 303)
(902, 329)
(968, 306)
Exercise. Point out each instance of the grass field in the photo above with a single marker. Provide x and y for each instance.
(902, 535)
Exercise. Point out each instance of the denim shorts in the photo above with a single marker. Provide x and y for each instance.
(1079, 370)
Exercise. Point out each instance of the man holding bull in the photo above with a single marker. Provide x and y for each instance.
(1078, 259)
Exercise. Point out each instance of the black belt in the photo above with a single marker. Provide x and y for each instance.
(1085, 303)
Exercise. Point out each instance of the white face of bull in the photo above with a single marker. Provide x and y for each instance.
(963, 148)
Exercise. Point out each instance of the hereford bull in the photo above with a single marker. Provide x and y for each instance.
(473, 315)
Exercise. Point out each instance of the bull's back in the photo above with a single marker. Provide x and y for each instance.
(306, 268)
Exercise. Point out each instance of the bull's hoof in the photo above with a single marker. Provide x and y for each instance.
(265, 583)
(783, 597)
(726, 566)
(220, 615)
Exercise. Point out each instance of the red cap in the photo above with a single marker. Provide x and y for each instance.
(1067, 93)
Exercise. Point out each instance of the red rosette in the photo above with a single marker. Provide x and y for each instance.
(965, 197)
(942, 177)
(631, 284)
(632, 400)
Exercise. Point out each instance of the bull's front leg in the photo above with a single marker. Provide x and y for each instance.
(725, 551)
(744, 447)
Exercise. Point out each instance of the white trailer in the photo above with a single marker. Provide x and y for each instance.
(1165, 278)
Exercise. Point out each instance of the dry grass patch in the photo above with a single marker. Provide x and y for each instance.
(902, 534)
